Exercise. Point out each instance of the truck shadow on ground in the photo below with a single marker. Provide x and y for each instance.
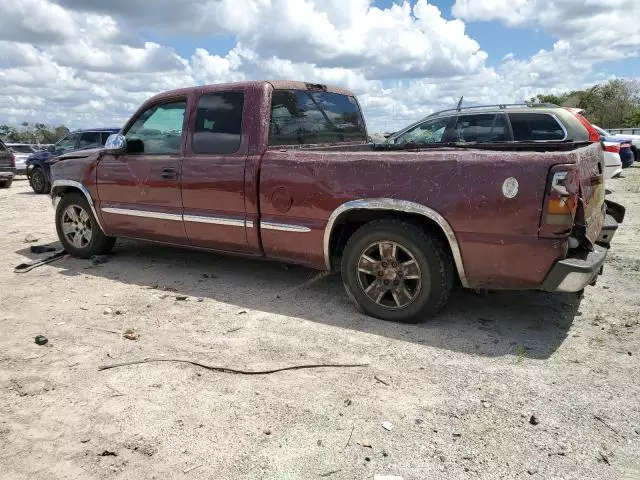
(525, 324)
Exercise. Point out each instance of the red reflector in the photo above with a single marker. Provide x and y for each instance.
(594, 136)
(612, 148)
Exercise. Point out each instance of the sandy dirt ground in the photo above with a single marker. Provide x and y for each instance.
(503, 385)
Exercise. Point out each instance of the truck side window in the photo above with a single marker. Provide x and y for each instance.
(218, 127)
(157, 130)
(307, 117)
(479, 128)
(535, 127)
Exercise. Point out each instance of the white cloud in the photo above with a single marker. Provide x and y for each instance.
(593, 29)
(88, 62)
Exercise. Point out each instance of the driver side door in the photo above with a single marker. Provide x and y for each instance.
(140, 189)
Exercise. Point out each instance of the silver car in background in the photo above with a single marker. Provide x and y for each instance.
(22, 151)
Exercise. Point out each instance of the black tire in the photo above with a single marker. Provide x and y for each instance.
(39, 181)
(97, 243)
(435, 271)
(6, 183)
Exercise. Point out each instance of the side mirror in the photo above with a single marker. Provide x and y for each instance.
(116, 143)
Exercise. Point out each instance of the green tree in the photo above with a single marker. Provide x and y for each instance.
(32, 133)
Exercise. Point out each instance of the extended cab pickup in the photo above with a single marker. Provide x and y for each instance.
(282, 170)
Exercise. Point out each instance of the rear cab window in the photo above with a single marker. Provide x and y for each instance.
(304, 117)
(218, 127)
(535, 127)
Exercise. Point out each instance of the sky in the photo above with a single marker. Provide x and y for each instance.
(91, 63)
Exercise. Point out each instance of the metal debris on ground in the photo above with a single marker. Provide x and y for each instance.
(99, 259)
(387, 426)
(241, 312)
(108, 453)
(30, 265)
(130, 334)
(328, 474)
(381, 381)
(30, 238)
(187, 470)
(42, 249)
(181, 298)
(41, 340)
(533, 420)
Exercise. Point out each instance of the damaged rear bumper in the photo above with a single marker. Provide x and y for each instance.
(574, 273)
(581, 269)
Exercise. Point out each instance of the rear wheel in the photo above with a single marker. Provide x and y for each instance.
(39, 181)
(6, 183)
(78, 229)
(394, 271)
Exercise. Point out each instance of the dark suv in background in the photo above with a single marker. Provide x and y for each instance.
(7, 166)
(38, 164)
(497, 124)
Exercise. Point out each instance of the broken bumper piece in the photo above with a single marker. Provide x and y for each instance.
(574, 273)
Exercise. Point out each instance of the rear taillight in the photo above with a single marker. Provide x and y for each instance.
(594, 136)
(612, 148)
(13, 160)
(561, 202)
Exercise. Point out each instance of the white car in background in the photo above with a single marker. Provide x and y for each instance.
(612, 161)
(22, 151)
(635, 141)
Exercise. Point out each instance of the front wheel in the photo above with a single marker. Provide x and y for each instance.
(394, 271)
(78, 230)
(39, 181)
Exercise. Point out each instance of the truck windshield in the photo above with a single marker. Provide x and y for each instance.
(306, 117)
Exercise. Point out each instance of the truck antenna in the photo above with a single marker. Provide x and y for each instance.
(459, 103)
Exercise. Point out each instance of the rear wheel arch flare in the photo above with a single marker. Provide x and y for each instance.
(380, 206)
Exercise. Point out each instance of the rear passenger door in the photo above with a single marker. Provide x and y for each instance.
(213, 173)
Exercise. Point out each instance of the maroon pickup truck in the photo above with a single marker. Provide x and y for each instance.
(283, 171)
